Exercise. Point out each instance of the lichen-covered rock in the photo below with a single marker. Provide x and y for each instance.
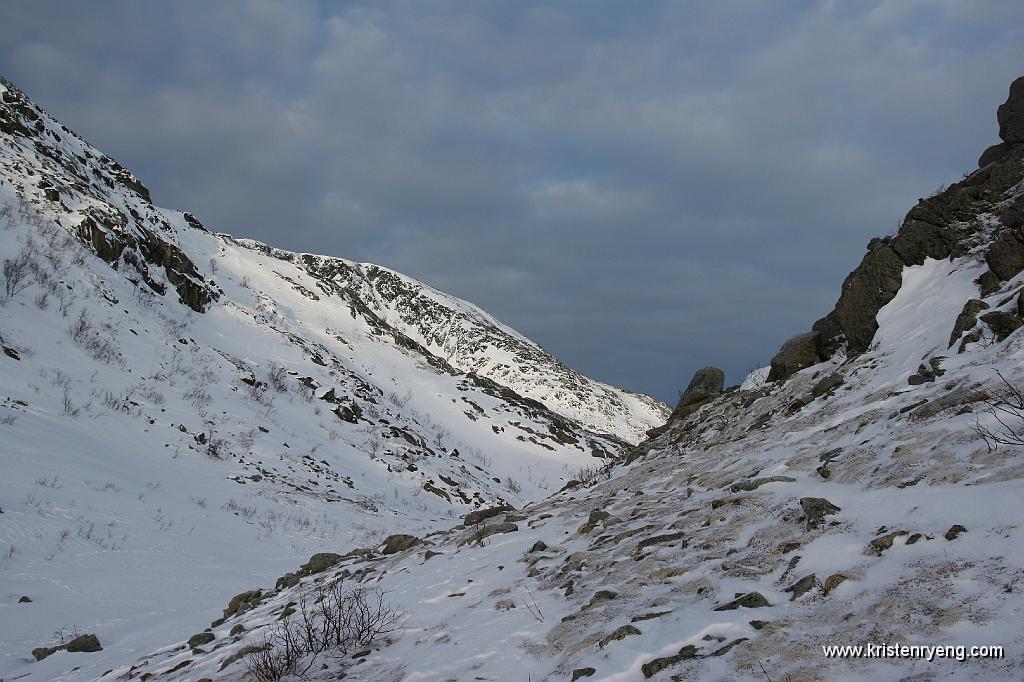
(1005, 256)
(750, 600)
(954, 532)
(475, 517)
(816, 509)
(706, 383)
(200, 639)
(1002, 324)
(652, 668)
(827, 385)
(967, 318)
(797, 353)
(399, 543)
(802, 586)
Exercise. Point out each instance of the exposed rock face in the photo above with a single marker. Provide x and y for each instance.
(1011, 114)
(1005, 256)
(940, 226)
(797, 353)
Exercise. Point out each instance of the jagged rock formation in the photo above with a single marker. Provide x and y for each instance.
(950, 223)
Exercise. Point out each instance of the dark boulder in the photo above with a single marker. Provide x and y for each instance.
(827, 385)
(865, 291)
(1005, 256)
(399, 543)
(475, 517)
(1011, 114)
(751, 600)
(706, 383)
(967, 318)
(797, 353)
(200, 639)
(918, 240)
(1002, 324)
(816, 509)
(995, 154)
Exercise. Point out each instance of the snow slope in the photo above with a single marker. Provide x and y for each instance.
(181, 411)
(853, 503)
(684, 536)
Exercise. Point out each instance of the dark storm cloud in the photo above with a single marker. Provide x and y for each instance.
(643, 188)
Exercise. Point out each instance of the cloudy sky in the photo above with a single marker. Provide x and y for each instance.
(644, 188)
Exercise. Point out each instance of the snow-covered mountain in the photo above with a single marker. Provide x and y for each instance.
(181, 410)
(864, 489)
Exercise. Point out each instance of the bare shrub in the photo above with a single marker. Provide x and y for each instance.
(16, 274)
(334, 621)
(69, 407)
(100, 346)
(1004, 404)
(277, 378)
(595, 473)
(512, 485)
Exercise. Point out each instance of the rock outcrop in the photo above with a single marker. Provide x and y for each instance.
(940, 226)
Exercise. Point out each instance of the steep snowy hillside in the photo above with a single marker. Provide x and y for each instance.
(860, 497)
(181, 410)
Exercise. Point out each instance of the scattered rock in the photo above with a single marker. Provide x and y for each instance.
(834, 581)
(640, 617)
(619, 633)
(652, 668)
(954, 531)
(83, 643)
(750, 600)
(600, 597)
(754, 484)
(802, 586)
(660, 540)
(24, 599)
(243, 602)
(200, 639)
(828, 384)
(596, 517)
(237, 629)
(538, 546)
(879, 545)
(579, 673)
(725, 649)
(797, 353)
(399, 543)
(816, 509)
(475, 517)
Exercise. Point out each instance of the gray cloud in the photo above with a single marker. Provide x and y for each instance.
(643, 188)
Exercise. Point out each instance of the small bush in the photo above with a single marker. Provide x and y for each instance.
(16, 274)
(334, 623)
(277, 378)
